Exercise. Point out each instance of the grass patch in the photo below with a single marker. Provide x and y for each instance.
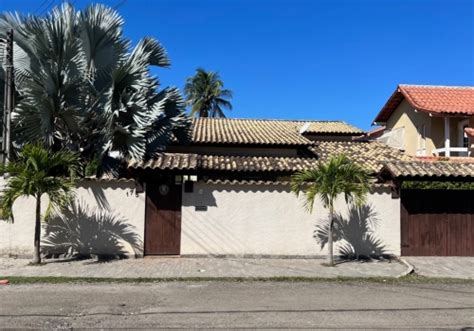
(412, 279)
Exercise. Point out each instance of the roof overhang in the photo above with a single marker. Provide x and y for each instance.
(392, 103)
(428, 170)
(206, 162)
(403, 93)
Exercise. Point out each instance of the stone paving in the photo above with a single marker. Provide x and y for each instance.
(440, 266)
(201, 267)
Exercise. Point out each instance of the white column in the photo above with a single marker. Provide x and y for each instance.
(447, 145)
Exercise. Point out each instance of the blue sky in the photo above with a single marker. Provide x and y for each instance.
(305, 59)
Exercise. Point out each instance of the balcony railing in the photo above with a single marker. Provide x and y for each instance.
(462, 151)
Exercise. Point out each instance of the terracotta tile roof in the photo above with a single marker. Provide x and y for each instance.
(447, 100)
(168, 161)
(430, 169)
(182, 161)
(271, 182)
(256, 163)
(247, 182)
(371, 155)
(104, 178)
(328, 127)
(263, 132)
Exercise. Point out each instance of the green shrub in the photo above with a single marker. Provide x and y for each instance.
(437, 185)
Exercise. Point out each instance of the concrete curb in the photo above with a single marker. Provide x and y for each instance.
(410, 268)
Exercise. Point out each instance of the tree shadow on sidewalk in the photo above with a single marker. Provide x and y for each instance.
(81, 232)
(354, 234)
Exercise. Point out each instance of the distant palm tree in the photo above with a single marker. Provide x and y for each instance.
(38, 171)
(206, 95)
(339, 176)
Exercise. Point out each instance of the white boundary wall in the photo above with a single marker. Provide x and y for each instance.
(243, 219)
(115, 197)
(240, 219)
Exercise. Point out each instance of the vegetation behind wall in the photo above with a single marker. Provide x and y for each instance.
(437, 185)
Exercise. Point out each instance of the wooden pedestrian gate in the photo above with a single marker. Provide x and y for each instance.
(163, 218)
(437, 222)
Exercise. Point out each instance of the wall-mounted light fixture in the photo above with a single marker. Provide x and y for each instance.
(189, 181)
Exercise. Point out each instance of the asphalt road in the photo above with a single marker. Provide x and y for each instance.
(238, 305)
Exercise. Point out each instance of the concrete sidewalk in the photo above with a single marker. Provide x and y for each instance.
(443, 266)
(200, 267)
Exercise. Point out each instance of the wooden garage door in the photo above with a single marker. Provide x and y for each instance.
(163, 218)
(437, 223)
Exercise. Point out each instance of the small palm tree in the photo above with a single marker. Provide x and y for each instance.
(206, 95)
(38, 171)
(329, 180)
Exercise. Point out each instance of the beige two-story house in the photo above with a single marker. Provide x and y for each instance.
(429, 120)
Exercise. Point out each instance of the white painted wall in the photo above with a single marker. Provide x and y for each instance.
(240, 219)
(267, 220)
(117, 198)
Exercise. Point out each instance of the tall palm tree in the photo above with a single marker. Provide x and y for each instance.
(206, 95)
(82, 86)
(327, 181)
(38, 171)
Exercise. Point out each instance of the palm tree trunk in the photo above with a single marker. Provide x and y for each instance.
(330, 237)
(37, 251)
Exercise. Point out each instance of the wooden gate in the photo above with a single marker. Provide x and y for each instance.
(163, 219)
(437, 223)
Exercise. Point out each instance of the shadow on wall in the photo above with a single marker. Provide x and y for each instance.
(201, 197)
(204, 195)
(355, 234)
(100, 198)
(84, 232)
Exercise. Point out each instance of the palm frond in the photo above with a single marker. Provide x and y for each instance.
(157, 55)
(339, 176)
(100, 31)
(38, 171)
(81, 86)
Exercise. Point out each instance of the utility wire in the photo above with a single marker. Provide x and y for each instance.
(119, 4)
(49, 6)
(40, 6)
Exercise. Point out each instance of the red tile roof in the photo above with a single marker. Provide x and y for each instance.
(431, 99)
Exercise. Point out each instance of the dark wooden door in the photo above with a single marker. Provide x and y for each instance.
(163, 219)
(437, 223)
